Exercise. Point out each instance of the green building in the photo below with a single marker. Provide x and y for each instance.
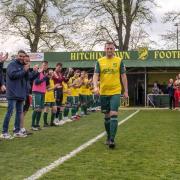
(143, 67)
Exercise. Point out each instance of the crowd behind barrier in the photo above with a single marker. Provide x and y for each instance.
(165, 95)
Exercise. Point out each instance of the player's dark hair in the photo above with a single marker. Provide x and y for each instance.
(21, 51)
(45, 62)
(58, 64)
(77, 71)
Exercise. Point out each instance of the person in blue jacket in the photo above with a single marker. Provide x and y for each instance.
(16, 91)
(171, 91)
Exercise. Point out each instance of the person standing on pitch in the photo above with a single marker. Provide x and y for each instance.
(16, 94)
(110, 70)
(38, 94)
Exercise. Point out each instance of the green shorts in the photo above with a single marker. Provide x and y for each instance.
(83, 99)
(110, 103)
(49, 104)
(38, 100)
(73, 100)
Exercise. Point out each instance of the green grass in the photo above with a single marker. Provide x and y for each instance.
(21, 158)
(148, 148)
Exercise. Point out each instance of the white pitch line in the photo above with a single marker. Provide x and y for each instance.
(61, 160)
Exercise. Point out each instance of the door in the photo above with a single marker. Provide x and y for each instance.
(136, 86)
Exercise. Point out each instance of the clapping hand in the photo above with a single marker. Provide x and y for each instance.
(36, 67)
(3, 58)
(3, 88)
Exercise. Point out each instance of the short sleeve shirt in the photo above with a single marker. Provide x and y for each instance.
(122, 68)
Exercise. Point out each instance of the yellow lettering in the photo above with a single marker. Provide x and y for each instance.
(99, 55)
(86, 56)
(173, 54)
(92, 56)
(156, 54)
(178, 54)
(162, 55)
(123, 55)
(81, 55)
(119, 54)
(127, 55)
(73, 56)
(168, 54)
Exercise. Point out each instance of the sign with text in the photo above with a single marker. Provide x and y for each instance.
(36, 56)
(142, 56)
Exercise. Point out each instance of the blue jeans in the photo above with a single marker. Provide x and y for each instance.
(10, 108)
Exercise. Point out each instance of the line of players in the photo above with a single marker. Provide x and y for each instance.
(65, 94)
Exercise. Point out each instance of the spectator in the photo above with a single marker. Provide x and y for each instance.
(170, 90)
(177, 90)
(16, 93)
(155, 89)
(155, 92)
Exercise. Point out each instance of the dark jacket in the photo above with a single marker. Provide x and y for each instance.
(30, 77)
(170, 90)
(1, 74)
(16, 81)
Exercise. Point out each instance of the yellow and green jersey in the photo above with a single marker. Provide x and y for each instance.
(65, 94)
(110, 71)
(74, 90)
(84, 87)
(49, 95)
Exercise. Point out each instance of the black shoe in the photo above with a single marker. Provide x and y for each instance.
(112, 144)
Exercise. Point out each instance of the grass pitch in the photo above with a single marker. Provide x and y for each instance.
(147, 148)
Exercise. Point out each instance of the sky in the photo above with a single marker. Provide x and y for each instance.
(13, 44)
(157, 28)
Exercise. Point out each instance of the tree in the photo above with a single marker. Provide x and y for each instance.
(140, 38)
(170, 38)
(113, 19)
(40, 22)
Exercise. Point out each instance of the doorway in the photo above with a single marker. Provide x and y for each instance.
(136, 88)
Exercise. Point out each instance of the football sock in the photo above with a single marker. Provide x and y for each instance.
(53, 115)
(107, 126)
(45, 115)
(34, 114)
(58, 111)
(38, 117)
(73, 111)
(66, 112)
(60, 115)
(113, 126)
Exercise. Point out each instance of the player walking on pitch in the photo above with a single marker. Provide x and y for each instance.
(110, 70)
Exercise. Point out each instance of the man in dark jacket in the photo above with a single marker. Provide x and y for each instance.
(170, 90)
(16, 93)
